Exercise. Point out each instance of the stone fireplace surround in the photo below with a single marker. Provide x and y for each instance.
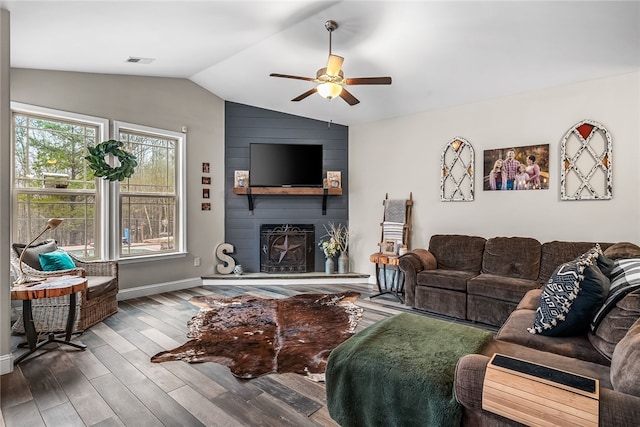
(287, 248)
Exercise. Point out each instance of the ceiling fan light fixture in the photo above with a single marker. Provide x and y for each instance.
(330, 80)
(329, 90)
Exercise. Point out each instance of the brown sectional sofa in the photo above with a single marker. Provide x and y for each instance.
(610, 355)
(478, 279)
(499, 282)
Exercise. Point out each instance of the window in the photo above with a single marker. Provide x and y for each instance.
(139, 217)
(149, 202)
(51, 178)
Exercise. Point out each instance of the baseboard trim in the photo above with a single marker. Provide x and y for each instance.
(143, 291)
(253, 280)
(6, 364)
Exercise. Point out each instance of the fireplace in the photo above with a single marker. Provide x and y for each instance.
(287, 248)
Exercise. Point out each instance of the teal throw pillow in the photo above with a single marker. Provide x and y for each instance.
(56, 260)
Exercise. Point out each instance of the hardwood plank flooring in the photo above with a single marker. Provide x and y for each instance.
(114, 383)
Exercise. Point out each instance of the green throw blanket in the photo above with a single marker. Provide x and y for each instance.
(399, 372)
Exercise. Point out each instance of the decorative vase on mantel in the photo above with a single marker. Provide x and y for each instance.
(343, 263)
(329, 266)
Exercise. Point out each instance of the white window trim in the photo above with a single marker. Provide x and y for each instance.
(181, 192)
(109, 221)
(101, 187)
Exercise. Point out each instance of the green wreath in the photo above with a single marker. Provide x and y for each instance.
(102, 169)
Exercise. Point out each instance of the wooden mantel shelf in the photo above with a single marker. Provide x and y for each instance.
(288, 191)
(293, 191)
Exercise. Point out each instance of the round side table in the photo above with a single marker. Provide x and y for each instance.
(51, 287)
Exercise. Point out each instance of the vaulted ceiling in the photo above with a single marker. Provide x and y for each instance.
(439, 53)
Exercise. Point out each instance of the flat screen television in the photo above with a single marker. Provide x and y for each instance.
(285, 165)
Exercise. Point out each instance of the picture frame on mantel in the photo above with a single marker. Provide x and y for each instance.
(241, 179)
(334, 179)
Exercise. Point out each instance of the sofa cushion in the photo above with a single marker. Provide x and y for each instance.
(625, 278)
(56, 260)
(32, 255)
(441, 301)
(530, 300)
(558, 252)
(517, 257)
(615, 324)
(622, 250)
(455, 280)
(625, 369)
(514, 330)
(489, 311)
(100, 285)
(499, 287)
(457, 252)
(571, 297)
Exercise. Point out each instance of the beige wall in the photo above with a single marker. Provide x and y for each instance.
(5, 201)
(403, 155)
(156, 102)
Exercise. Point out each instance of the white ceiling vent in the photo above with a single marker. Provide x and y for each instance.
(138, 60)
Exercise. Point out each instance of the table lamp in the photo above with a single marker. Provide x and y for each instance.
(24, 278)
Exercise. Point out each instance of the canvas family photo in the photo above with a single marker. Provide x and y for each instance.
(517, 168)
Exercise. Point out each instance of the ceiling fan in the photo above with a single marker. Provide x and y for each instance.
(331, 78)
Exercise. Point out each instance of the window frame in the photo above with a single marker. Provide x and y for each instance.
(107, 194)
(180, 236)
(102, 189)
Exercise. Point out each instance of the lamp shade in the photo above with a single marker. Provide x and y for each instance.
(329, 90)
(54, 223)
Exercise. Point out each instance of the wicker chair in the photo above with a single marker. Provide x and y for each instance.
(97, 302)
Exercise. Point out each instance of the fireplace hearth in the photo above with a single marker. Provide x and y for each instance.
(287, 248)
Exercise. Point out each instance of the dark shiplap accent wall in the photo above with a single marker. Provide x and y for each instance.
(245, 124)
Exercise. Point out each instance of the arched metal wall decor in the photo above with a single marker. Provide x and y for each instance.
(457, 166)
(586, 162)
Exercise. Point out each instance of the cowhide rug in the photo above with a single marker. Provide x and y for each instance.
(257, 336)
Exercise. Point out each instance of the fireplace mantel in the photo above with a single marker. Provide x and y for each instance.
(288, 191)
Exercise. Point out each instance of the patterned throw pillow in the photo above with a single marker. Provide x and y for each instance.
(571, 296)
(625, 278)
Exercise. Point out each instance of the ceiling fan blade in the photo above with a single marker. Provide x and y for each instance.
(368, 81)
(346, 95)
(334, 65)
(287, 76)
(304, 95)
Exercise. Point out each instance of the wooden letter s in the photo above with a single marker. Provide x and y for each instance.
(228, 263)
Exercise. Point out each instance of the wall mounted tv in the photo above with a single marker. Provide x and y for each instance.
(286, 165)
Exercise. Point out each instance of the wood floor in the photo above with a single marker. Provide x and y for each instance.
(113, 382)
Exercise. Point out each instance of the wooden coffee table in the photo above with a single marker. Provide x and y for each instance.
(50, 288)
